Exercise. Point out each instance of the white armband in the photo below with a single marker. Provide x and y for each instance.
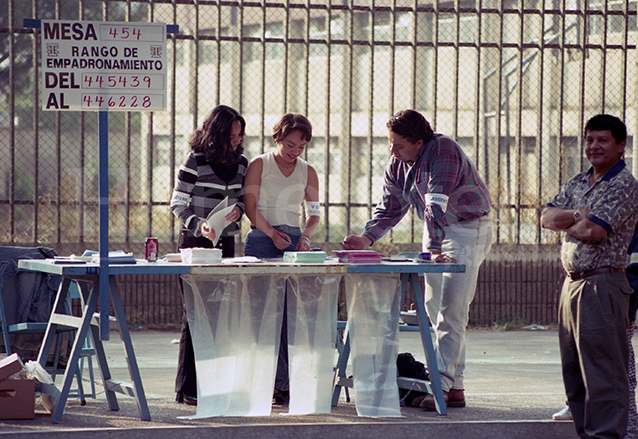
(313, 208)
(180, 199)
(439, 199)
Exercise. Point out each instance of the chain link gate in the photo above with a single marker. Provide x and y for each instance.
(513, 81)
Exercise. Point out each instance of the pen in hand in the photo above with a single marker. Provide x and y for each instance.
(284, 237)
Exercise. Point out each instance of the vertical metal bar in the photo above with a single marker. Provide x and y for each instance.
(287, 75)
(306, 85)
(127, 164)
(58, 157)
(519, 122)
(151, 148)
(393, 54)
(326, 191)
(415, 5)
(262, 119)
(36, 126)
(346, 129)
(104, 223)
(195, 85)
(497, 121)
(346, 120)
(603, 78)
(194, 100)
(539, 128)
(218, 60)
(582, 91)
(414, 45)
(81, 177)
(80, 174)
(12, 116)
(457, 52)
(562, 93)
(194, 105)
(239, 60)
(477, 102)
(634, 155)
(306, 80)
(625, 44)
(435, 73)
(371, 36)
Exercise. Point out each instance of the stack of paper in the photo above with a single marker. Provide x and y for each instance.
(116, 257)
(358, 256)
(316, 257)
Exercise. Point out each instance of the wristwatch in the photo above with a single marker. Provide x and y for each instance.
(577, 215)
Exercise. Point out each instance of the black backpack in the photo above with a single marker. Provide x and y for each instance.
(408, 367)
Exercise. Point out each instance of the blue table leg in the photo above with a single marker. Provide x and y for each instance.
(342, 363)
(130, 354)
(82, 331)
(426, 338)
(83, 324)
(434, 384)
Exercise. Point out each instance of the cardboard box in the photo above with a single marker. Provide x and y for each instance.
(10, 365)
(17, 399)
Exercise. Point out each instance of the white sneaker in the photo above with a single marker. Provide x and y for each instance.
(563, 415)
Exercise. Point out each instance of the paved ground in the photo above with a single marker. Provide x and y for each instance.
(513, 385)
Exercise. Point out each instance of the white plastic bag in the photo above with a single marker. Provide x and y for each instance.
(49, 393)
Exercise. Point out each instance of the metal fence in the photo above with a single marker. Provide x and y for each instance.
(512, 81)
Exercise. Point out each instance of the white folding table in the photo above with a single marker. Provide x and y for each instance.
(87, 275)
(383, 325)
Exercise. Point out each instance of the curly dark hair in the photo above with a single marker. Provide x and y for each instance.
(411, 125)
(213, 139)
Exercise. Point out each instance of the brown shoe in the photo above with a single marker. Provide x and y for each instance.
(416, 402)
(428, 403)
(456, 398)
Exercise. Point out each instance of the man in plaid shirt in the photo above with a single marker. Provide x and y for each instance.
(431, 172)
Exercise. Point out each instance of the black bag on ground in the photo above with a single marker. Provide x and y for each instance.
(408, 367)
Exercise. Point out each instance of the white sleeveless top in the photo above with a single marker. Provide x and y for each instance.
(280, 197)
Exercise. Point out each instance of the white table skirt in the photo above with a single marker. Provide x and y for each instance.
(235, 323)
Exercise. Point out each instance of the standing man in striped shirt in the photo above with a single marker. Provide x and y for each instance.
(431, 172)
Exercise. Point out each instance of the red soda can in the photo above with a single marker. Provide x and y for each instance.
(150, 249)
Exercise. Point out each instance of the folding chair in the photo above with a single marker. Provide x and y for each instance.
(32, 327)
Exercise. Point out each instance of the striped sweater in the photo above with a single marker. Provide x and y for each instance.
(198, 190)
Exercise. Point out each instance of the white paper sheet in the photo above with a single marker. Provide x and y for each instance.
(216, 219)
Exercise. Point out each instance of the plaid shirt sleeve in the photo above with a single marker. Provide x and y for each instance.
(442, 178)
(390, 210)
(449, 172)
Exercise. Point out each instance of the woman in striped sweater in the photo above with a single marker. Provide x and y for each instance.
(214, 169)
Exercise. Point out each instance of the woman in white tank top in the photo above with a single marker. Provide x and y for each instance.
(275, 186)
